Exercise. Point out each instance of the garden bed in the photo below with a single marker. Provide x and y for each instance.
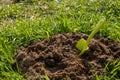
(57, 57)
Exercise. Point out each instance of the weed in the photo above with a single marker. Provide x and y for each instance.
(82, 44)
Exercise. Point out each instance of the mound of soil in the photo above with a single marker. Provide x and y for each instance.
(58, 58)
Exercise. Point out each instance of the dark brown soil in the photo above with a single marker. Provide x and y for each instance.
(58, 58)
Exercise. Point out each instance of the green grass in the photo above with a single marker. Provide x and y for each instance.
(33, 20)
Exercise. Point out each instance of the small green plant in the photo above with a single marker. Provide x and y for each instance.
(46, 76)
(82, 44)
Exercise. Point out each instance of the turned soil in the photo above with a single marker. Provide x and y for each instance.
(58, 58)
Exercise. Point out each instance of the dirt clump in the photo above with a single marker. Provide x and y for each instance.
(58, 58)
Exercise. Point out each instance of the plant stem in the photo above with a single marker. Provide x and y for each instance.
(97, 28)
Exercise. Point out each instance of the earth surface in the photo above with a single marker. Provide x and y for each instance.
(57, 58)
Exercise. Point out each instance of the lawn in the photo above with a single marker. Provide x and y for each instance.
(30, 21)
